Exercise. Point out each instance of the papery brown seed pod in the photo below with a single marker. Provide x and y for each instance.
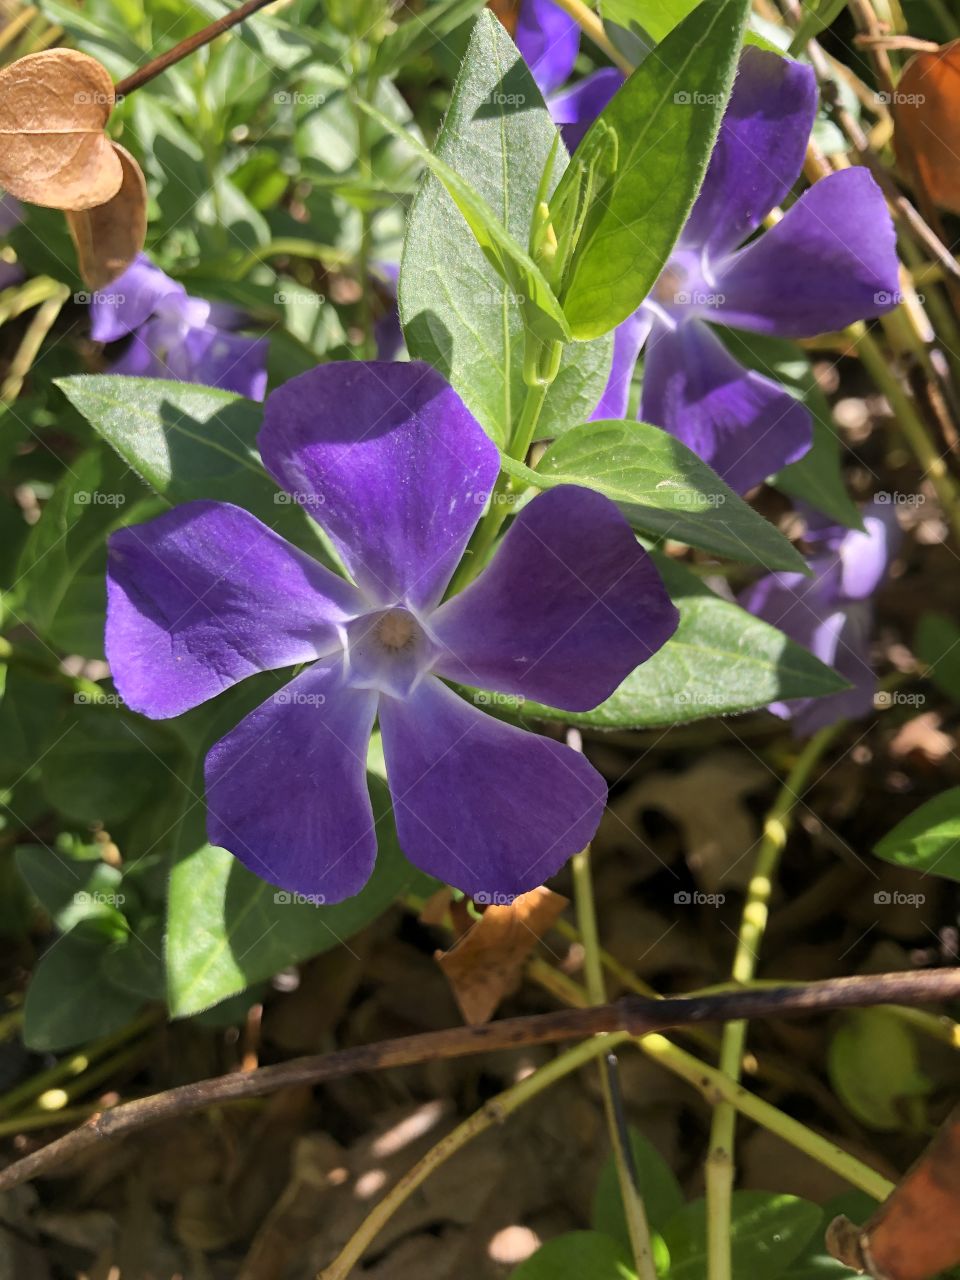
(109, 237)
(54, 107)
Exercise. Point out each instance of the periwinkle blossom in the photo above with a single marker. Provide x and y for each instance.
(175, 336)
(831, 613)
(549, 40)
(829, 261)
(11, 213)
(388, 459)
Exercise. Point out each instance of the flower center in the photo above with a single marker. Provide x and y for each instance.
(686, 283)
(396, 629)
(387, 650)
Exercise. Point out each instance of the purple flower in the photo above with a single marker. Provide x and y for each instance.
(11, 212)
(830, 260)
(549, 40)
(393, 465)
(176, 336)
(831, 613)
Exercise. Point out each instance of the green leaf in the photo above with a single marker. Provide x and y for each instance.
(665, 120)
(656, 17)
(457, 313)
(767, 1232)
(938, 646)
(663, 489)
(874, 1067)
(226, 928)
(420, 32)
(929, 840)
(69, 1001)
(720, 661)
(662, 1197)
(185, 440)
(62, 568)
(71, 891)
(511, 262)
(579, 1255)
(103, 767)
(817, 477)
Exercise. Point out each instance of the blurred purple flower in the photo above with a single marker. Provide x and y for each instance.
(830, 260)
(387, 332)
(176, 336)
(549, 40)
(393, 465)
(11, 212)
(831, 613)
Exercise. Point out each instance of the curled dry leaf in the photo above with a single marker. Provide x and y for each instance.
(54, 106)
(110, 236)
(486, 963)
(915, 1234)
(927, 119)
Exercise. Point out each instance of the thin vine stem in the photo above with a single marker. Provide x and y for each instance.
(491, 1113)
(638, 1228)
(911, 424)
(720, 1161)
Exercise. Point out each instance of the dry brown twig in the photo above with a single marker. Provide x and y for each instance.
(634, 1015)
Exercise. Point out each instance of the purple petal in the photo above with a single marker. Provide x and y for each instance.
(10, 274)
(481, 804)
(865, 555)
(130, 300)
(11, 213)
(741, 423)
(229, 361)
(832, 259)
(567, 608)
(759, 151)
(139, 359)
(392, 463)
(575, 109)
(549, 40)
(628, 340)
(205, 595)
(287, 788)
(814, 613)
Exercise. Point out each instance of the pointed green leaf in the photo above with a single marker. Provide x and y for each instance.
(663, 489)
(665, 119)
(457, 312)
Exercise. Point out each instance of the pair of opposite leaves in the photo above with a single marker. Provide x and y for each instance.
(54, 108)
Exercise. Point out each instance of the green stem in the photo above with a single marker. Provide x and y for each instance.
(502, 498)
(719, 1089)
(491, 1113)
(363, 90)
(753, 923)
(911, 424)
(73, 1068)
(637, 1226)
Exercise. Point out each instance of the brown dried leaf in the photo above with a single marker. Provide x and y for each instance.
(915, 1234)
(486, 964)
(927, 119)
(54, 106)
(109, 236)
